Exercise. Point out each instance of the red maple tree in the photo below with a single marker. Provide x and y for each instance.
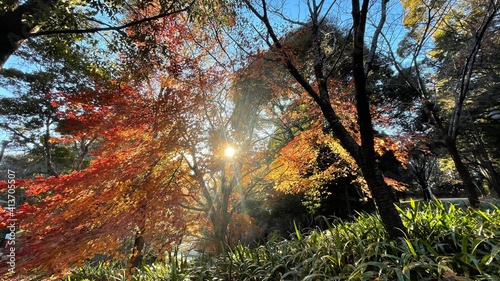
(133, 189)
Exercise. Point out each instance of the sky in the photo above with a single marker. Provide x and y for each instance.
(340, 13)
(5, 93)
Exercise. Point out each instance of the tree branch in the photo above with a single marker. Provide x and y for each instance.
(378, 30)
(109, 28)
(468, 69)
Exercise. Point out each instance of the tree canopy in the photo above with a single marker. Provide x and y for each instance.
(115, 143)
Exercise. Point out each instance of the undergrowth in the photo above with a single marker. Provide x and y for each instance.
(444, 242)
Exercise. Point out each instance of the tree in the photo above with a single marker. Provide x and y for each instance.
(137, 179)
(317, 88)
(21, 20)
(225, 184)
(31, 118)
(134, 188)
(434, 20)
(299, 141)
(422, 166)
(482, 152)
(313, 162)
(227, 165)
(31, 111)
(454, 38)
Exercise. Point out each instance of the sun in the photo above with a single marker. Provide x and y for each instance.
(230, 151)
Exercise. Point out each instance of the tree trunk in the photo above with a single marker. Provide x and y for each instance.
(384, 199)
(220, 224)
(2, 149)
(491, 174)
(47, 147)
(382, 193)
(221, 217)
(421, 179)
(364, 155)
(13, 28)
(463, 171)
(451, 146)
(427, 193)
(11, 33)
(136, 258)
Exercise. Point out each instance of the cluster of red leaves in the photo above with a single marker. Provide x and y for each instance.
(132, 183)
(137, 178)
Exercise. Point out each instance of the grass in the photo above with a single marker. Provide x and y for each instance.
(444, 243)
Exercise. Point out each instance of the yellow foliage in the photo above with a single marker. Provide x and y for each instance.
(298, 167)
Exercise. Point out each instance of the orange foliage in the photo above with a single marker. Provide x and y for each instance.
(137, 177)
(298, 168)
(132, 183)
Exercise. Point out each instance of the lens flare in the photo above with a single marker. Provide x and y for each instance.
(230, 151)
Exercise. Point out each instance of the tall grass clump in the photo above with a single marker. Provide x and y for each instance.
(102, 271)
(455, 241)
(444, 242)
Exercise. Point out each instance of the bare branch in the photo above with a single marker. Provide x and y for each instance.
(378, 30)
(108, 28)
(468, 69)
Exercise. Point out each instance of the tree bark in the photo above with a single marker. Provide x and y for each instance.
(11, 33)
(2, 149)
(136, 258)
(485, 162)
(47, 149)
(463, 171)
(14, 31)
(381, 192)
(494, 178)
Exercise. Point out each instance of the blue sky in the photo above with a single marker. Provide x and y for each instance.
(340, 13)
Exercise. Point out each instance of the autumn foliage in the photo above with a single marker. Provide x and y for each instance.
(313, 158)
(136, 180)
(133, 183)
(152, 125)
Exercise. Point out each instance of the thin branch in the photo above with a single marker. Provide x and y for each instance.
(468, 69)
(378, 30)
(20, 135)
(108, 28)
(339, 57)
(286, 59)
